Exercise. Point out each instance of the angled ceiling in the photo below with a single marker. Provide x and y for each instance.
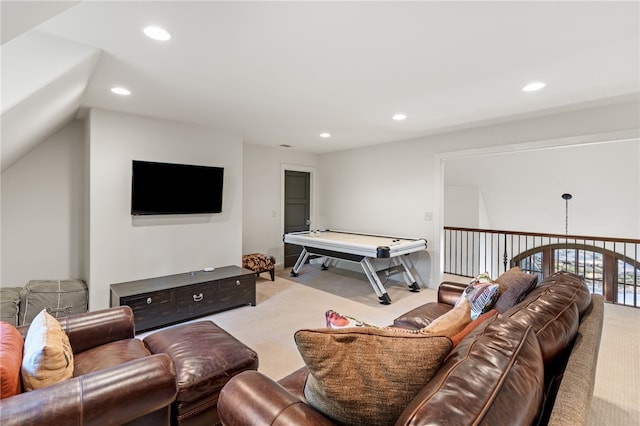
(283, 72)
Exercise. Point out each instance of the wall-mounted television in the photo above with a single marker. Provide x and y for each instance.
(168, 188)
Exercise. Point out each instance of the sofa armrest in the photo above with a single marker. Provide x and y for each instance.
(96, 328)
(573, 399)
(115, 395)
(91, 329)
(449, 292)
(252, 398)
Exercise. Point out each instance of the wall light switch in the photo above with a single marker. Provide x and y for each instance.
(428, 216)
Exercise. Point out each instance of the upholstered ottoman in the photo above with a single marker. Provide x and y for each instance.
(205, 358)
(258, 263)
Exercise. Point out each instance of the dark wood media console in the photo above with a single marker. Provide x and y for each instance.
(161, 301)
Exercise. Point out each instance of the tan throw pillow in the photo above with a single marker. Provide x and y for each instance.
(367, 375)
(514, 286)
(48, 357)
(450, 323)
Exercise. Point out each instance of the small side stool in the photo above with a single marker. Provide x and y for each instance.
(258, 263)
(205, 357)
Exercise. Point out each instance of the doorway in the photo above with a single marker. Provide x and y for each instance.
(297, 210)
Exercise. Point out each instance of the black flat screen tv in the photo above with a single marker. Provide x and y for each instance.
(168, 188)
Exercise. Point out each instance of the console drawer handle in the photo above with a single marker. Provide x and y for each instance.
(198, 297)
(238, 282)
(148, 300)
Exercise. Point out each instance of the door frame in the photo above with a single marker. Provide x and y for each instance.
(312, 194)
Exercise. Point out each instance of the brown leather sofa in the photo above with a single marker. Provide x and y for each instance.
(116, 379)
(532, 364)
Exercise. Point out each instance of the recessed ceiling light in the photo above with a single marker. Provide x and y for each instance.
(121, 91)
(399, 117)
(157, 33)
(325, 135)
(532, 87)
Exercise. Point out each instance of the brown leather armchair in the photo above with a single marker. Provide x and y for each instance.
(116, 379)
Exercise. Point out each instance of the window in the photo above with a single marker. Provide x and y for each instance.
(606, 272)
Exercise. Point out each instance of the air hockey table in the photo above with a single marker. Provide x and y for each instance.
(360, 248)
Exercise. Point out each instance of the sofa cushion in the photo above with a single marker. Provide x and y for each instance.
(569, 286)
(553, 309)
(294, 382)
(367, 375)
(47, 357)
(11, 344)
(108, 355)
(554, 320)
(514, 286)
(493, 377)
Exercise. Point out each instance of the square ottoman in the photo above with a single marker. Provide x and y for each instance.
(205, 357)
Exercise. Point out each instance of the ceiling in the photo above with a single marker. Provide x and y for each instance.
(283, 72)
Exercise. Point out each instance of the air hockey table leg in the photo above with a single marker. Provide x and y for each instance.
(385, 299)
(411, 282)
(375, 281)
(304, 255)
(326, 264)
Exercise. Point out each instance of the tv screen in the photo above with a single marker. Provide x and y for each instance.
(167, 188)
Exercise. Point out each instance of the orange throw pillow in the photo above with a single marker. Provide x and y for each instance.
(471, 326)
(11, 344)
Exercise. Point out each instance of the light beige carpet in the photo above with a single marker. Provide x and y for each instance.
(616, 397)
(289, 304)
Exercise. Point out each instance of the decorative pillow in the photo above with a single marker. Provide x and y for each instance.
(514, 286)
(471, 326)
(48, 357)
(452, 322)
(11, 344)
(337, 321)
(481, 293)
(367, 375)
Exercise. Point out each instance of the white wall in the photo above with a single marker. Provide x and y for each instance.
(387, 188)
(484, 221)
(124, 248)
(384, 189)
(262, 198)
(43, 210)
(461, 206)
(603, 179)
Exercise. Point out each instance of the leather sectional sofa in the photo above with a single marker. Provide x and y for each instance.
(533, 363)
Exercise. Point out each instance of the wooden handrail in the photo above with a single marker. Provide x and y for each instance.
(541, 234)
